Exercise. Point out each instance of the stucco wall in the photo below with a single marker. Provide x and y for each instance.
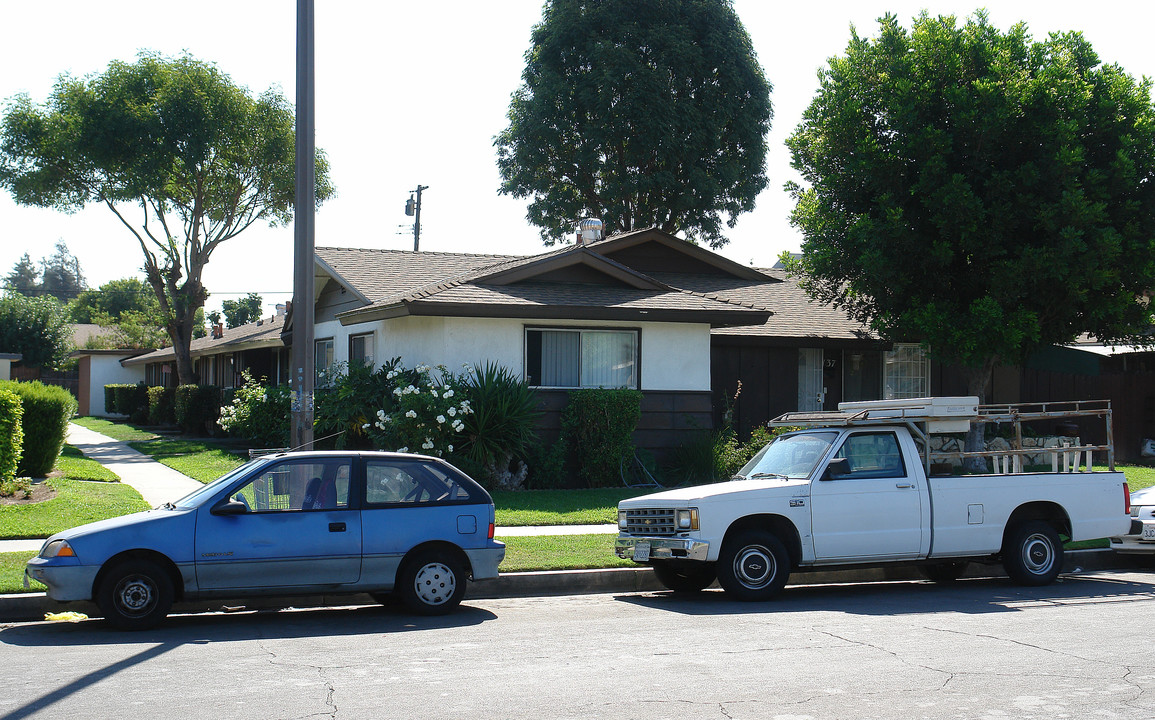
(673, 356)
(107, 370)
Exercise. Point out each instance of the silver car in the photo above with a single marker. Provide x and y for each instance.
(1140, 539)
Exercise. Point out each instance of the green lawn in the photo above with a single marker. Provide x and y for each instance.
(76, 502)
(12, 573)
(560, 552)
(561, 507)
(200, 460)
(115, 430)
(74, 465)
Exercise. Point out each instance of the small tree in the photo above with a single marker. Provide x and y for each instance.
(646, 113)
(198, 157)
(24, 278)
(37, 328)
(243, 311)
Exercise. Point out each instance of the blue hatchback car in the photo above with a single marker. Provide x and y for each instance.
(287, 524)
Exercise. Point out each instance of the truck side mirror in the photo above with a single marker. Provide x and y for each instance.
(836, 468)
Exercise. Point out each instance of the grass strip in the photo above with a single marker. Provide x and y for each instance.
(561, 507)
(115, 430)
(72, 464)
(76, 502)
(201, 461)
(560, 552)
(12, 573)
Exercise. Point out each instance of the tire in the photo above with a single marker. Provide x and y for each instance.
(388, 599)
(685, 577)
(753, 566)
(135, 595)
(1033, 554)
(945, 572)
(432, 582)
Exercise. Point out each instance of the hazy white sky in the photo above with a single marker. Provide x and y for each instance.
(413, 92)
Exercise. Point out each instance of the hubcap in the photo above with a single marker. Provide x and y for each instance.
(1038, 555)
(754, 566)
(135, 595)
(435, 583)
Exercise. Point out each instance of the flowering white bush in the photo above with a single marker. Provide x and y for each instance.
(424, 416)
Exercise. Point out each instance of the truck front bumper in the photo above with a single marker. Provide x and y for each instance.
(661, 548)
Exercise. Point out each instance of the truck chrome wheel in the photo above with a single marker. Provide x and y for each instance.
(1033, 554)
(753, 565)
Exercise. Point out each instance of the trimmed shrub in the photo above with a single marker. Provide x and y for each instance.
(598, 426)
(47, 410)
(259, 414)
(161, 406)
(110, 399)
(197, 408)
(11, 433)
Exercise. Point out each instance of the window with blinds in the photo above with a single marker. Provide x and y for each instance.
(581, 358)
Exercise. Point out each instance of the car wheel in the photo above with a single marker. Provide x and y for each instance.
(135, 595)
(1033, 554)
(684, 577)
(945, 572)
(388, 599)
(432, 582)
(753, 565)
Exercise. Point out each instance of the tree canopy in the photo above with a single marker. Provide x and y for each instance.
(59, 276)
(184, 158)
(24, 277)
(978, 191)
(645, 113)
(35, 327)
(243, 311)
(112, 300)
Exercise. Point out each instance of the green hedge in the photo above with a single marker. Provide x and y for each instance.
(598, 426)
(11, 433)
(161, 406)
(130, 400)
(197, 408)
(47, 410)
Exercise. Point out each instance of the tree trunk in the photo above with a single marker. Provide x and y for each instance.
(977, 379)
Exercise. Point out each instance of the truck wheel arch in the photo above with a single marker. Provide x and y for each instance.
(1045, 511)
(780, 526)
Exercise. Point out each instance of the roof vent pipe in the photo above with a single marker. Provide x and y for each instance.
(589, 230)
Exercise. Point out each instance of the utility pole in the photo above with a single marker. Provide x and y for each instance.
(413, 208)
(302, 376)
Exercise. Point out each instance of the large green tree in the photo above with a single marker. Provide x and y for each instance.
(645, 113)
(113, 299)
(978, 191)
(60, 274)
(182, 156)
(243, 311)
(24, 278)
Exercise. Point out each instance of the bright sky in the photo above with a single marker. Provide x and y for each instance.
(413, 93)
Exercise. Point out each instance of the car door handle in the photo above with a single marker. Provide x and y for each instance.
(904, 486)
(337, 527)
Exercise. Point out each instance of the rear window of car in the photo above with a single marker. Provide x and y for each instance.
(410, 482)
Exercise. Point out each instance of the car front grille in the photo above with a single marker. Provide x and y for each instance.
(650, 521)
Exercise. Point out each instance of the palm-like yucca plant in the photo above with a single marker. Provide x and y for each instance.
(503, 424)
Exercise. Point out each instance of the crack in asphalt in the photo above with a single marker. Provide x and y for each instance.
(322, 672)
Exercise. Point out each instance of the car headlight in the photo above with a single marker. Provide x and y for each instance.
(622, 522)
(688, 519)
(57, 548)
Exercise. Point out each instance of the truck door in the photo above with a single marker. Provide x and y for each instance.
(875, 511)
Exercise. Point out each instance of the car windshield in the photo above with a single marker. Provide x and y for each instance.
(196, 497)
(789, 456)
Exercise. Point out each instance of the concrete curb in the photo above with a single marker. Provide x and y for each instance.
(33, 606)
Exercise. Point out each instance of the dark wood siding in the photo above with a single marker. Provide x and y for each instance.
(769, 378)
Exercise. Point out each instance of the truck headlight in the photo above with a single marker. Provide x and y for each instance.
(622, 522)
(688, 519)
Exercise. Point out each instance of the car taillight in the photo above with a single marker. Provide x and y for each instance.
(490, 531)
(1126, 499)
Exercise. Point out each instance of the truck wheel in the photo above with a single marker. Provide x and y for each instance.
(431, 582)
(1033, 554)
(753, 565)
(135, 595)
(945, 572)
(684, 578)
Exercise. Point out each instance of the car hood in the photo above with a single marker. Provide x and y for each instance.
(683, 496)
(1146, 496)
(122, 524)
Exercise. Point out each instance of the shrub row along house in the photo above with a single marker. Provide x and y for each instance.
(642, 310)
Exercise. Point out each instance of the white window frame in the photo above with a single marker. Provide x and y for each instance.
(370, 346)
(318, 368)
(905, 372)
(636, 333)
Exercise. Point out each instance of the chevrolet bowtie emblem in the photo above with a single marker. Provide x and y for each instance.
(649, 522)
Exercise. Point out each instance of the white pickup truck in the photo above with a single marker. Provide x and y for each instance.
(855, 487)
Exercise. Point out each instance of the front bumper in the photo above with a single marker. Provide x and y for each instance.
(65, 582)
(663, 548)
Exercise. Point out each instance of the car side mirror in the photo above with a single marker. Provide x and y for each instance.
(229, 507)
(836, 468)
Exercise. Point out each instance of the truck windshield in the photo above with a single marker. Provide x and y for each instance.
(789, 456)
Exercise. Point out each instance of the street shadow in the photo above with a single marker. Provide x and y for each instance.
(907, 597)
(210, 627)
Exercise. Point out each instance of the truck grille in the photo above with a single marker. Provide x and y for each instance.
(650, 521)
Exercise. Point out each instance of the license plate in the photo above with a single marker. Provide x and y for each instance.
(1149, 532)
(642, 552)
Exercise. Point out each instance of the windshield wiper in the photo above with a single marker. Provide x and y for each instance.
(168, 506)
(769, 474)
